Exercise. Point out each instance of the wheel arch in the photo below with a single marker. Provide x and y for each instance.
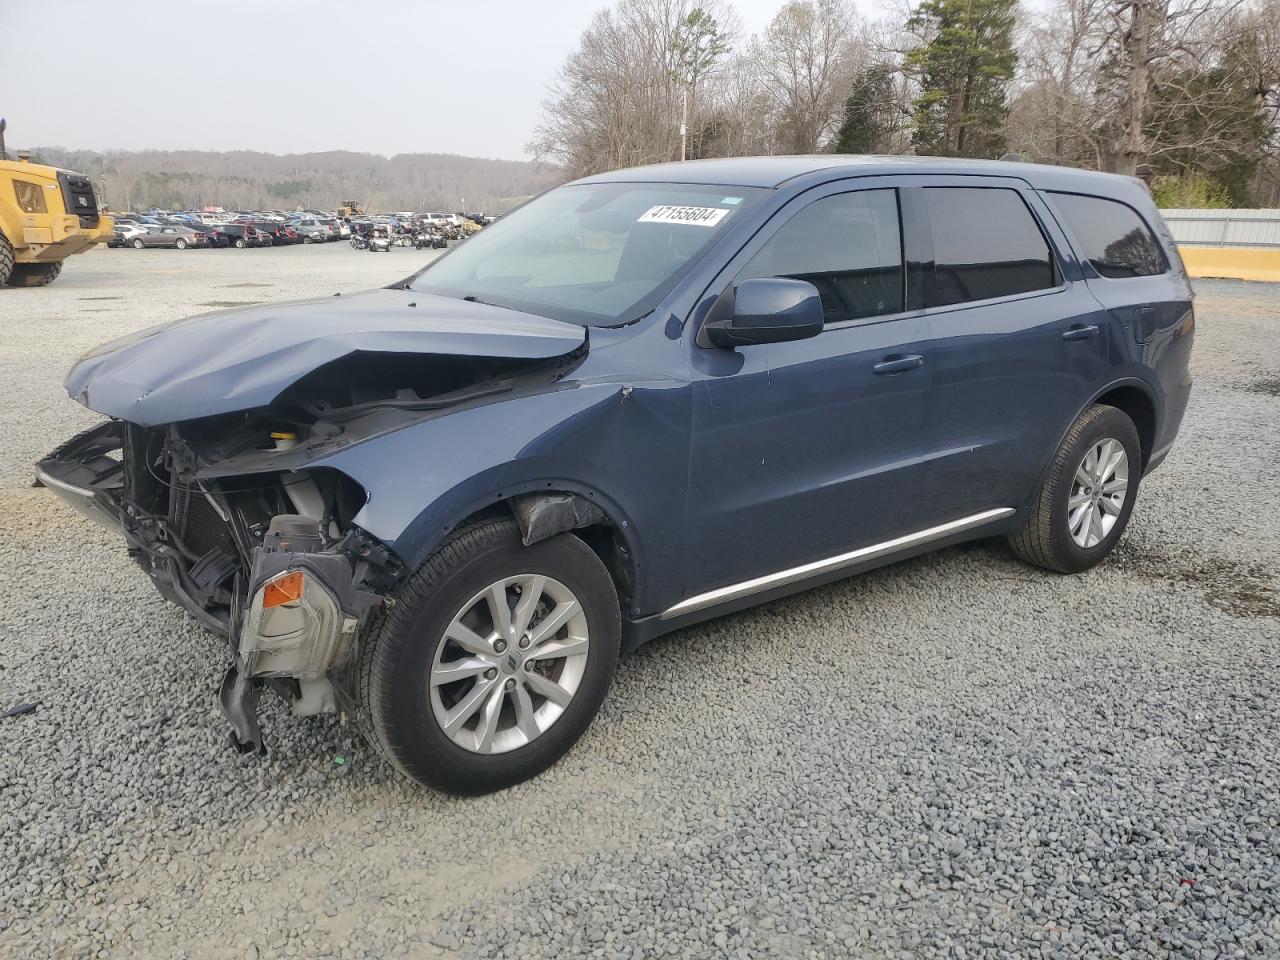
(588, 513)
(1136, 400)
(1134, 397)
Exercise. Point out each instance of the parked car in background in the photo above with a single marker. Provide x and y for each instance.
(168, 235)
(337, 228)
(245, 235)
(214, 234)
(281, 235)
(312, 230)
(123, 233)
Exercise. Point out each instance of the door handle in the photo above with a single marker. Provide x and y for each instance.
(1079, 332)
(898, 364)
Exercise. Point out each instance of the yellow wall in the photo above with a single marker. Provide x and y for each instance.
(1238, 263)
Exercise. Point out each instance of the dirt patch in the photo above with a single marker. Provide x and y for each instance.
(1242, 590)
(230, 303)
(1270, 386)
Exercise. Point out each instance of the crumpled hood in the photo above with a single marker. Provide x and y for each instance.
(240, 359)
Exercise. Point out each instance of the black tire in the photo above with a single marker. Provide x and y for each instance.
(6, 260)
(138, 244)
(34, 274)
(396, 657)
(1045, 540)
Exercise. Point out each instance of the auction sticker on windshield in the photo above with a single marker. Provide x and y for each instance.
(693, 216)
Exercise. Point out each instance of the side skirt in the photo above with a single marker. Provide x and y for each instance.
(748, 593)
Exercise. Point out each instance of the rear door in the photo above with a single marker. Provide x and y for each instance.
(1019, 344)
(804, 450)
(1126, 268)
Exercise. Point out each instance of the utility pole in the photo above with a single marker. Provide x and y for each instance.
(684, 119)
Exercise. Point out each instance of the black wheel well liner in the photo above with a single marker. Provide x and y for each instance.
(1137, 404)
(553, 510)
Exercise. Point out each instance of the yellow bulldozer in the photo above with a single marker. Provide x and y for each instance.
(46, 215)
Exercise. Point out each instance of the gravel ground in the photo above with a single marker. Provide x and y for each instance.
(958, 756)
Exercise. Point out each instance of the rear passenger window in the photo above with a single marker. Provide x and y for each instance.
(849, 246)
(985, 244)
(1112, 236)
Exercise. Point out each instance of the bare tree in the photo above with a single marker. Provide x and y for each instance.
(807, 55)
(617, 101)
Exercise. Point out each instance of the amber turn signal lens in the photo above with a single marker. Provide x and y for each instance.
(283, 589)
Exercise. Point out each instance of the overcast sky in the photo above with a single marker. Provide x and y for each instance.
(289, 76)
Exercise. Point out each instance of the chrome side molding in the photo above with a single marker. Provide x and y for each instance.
(818, 567)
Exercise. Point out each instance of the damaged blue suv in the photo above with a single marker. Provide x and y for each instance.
(641, 400)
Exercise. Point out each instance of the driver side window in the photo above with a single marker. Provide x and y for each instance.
(849, 246)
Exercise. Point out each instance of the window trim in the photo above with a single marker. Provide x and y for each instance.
(1055, 256)
(1075, 241)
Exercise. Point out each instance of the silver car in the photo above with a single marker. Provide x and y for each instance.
(311, 231)
(169, 236)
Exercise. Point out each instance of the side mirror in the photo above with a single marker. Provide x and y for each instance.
(763, 310)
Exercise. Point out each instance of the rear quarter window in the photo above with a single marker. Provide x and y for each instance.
(1112, 236)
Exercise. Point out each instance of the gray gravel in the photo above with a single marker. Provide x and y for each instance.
(958, 756)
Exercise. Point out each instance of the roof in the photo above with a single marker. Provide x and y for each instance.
(775, 171)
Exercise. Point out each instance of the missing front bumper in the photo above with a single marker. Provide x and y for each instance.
(221, 571)
(299, 629)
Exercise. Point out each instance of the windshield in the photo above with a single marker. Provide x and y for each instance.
(600, 254)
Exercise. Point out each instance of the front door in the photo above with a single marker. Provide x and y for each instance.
(801, 451)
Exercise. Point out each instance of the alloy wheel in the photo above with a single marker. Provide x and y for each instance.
(1098, 492)
(510, 663)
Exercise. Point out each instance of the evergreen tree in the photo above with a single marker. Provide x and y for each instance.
(870, 112)
(963, 72)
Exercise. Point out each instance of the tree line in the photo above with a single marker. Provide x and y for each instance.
(1184, 92)
(249, 180)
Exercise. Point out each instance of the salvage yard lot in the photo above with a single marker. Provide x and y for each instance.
(956, 751)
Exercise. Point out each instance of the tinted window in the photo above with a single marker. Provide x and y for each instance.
(1112, 236)
(985, 244)
(848, 246)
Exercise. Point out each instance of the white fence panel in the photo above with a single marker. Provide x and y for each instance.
(1225, 228)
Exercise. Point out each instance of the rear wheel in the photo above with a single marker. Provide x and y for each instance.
(1087, 495)
(493, 660)
(138, 244)
(181, 244)
(239, 244)
(34, 274)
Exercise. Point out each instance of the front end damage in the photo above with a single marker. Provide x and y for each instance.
(270, 560)
(213, 464)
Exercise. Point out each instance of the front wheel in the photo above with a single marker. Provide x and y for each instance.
(138, 244)
(34, 274)
(1087, 495)
(493, 661)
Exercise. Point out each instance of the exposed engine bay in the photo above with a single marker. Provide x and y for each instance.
(232, 521)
